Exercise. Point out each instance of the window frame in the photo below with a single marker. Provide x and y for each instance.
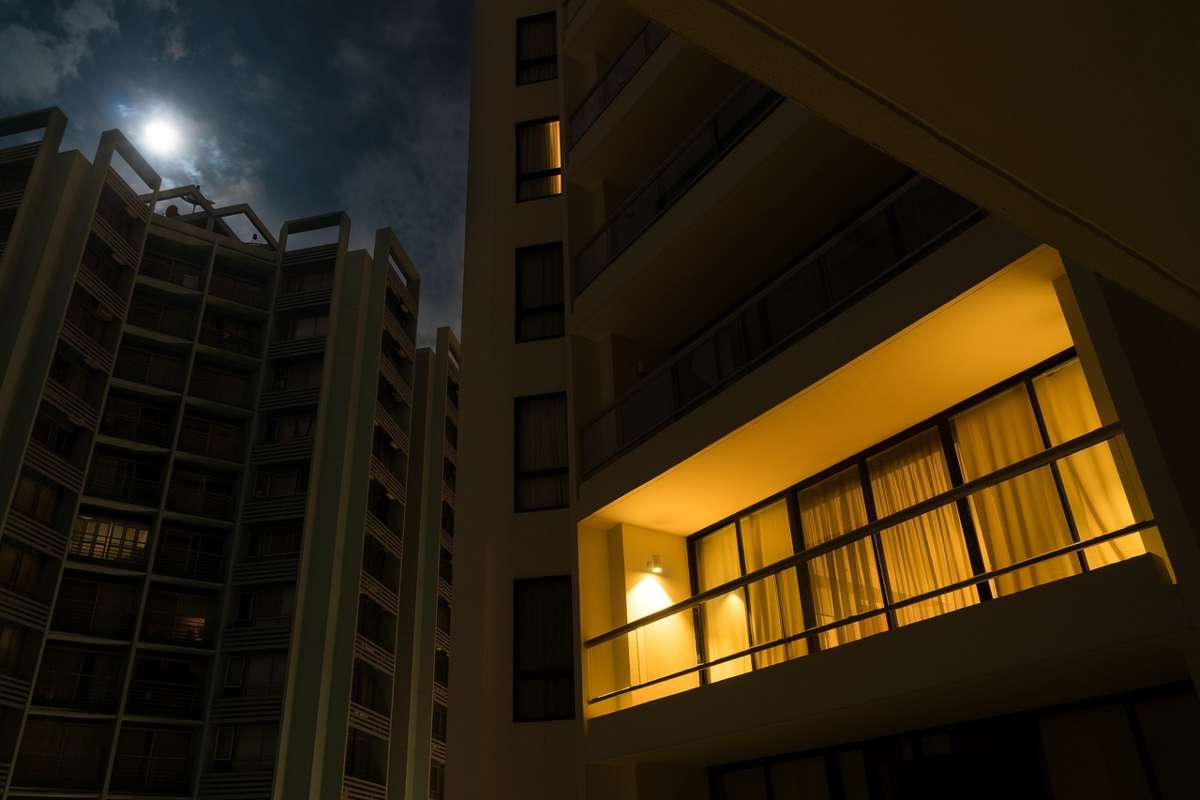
(569, 671)
(520, 313)
(520, 177)
(519, 63)
(565, 470)
(939, 422)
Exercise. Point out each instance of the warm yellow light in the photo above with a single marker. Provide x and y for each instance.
(655, 565)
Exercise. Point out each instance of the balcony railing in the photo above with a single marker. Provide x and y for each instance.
(89, 546)
(151, 773)
(199, 501)
(619, 74)
(161, 318)
(910, 222)
(188, 562)
(170, 628)
(213, 440)
(63, 770)
(646, 646)
(137, 429)
(161, 698)
(125, 489)
(157, 371)
(76, 691)
(91, 618)
(172, 270)
(248, 294)
(223, 339)
(220, 388)
(700, 152)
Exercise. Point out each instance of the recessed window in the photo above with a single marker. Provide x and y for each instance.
(537, 49)
(539, 159)
(543, 650)
(541, 452)
(540, 305)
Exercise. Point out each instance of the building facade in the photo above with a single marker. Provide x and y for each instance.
(206, 435)
(822, 442)
(421, 714)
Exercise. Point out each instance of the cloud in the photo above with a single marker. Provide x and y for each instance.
(35, 62)
(175, 47)
(155, 6)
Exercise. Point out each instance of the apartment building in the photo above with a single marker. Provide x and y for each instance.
(205, 431)
(420, 715)
(829, 428)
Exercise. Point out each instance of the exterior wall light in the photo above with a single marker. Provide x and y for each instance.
(655, 564)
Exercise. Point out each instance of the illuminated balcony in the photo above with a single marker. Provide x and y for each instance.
(950, 503)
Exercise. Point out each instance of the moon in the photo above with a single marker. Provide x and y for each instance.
(160, 136)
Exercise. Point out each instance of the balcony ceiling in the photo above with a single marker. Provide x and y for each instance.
(1009, 322)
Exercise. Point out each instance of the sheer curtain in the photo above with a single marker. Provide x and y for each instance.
(775, 609)
(541, 445)
(725, 616)
(844, 582)
(539, 160)
(1094, 489)
(1022, 517)
(930, 551)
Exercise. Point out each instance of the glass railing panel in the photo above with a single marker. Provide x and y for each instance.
(849, 264)
(697, 154)
(636, 54)
(912, 564)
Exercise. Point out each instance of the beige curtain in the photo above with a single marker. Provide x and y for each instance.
(725, 616)
(1022, 517)
(844, 582)
(1093, 485)
(775, 609)
(928, 552)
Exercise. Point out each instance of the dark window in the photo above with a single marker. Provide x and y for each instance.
(441, 668)
(543, 650)
(445, 566)
(447, 519)
(437, 781)
(541, 452)
(56, 434)
(37, 497)
(439, 722)
(539, 292)
(443, 615)
(539, 159)
(274, 542)
(537, 49)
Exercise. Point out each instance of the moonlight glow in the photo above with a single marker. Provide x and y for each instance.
(160, 136)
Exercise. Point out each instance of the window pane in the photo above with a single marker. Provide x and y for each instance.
(539, 160)
(775, 609)
(1022, 517)
(844, 582)
(539, 292)
(541, 452)
(725, 628)
(930, 551)
(543, 649)
(537, 49)
(1095, 489)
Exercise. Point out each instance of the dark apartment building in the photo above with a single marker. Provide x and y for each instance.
(203, 489)
(830, 395)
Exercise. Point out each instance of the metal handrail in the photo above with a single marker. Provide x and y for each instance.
(650, 37)
(163, 695)
(717, 144)
(125, 489)
(131, 427)
(172, 270)
(1045, 457)
(966, 583)
(810, 266)
(217, 336)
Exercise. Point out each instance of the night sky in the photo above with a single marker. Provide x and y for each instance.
(294, 106)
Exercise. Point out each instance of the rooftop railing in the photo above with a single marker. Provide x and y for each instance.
(636, 54)
(740, 113)
(908, 223)
(640, 637)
